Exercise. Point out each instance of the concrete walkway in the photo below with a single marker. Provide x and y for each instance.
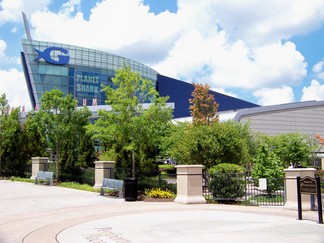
(37, 213)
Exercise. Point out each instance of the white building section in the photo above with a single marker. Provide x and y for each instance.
(301, 117)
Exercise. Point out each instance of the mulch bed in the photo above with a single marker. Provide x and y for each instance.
(150, 199)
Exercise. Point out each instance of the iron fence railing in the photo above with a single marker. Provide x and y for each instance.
(240, 187)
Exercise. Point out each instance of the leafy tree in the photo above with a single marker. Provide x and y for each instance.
(226, 142)
(267, 164)
(130, 133)
(291, 148)
(12, 160)
(35, 143)
(86, 155)
(63, 125)
(4, 111)
(320, 139)
(203, 106)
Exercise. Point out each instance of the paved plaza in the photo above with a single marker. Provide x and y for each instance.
(38, 213)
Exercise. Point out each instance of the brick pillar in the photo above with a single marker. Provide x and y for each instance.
(291, 188)
(189, 184)
(39, 164)
(103, 169)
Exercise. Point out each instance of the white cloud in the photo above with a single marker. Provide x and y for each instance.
(3, 47)
(222, 91)
(226, 65)
(190, 45)
(70, 7)
(274, 96)
(10, 10)
(16, 92)
(267, 21)
(313, 92)
(318, 70)
(125, 27)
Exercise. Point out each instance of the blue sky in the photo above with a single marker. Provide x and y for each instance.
(266, 52)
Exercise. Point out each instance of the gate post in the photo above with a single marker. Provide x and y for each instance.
(291, 188)
(189, 184)
(103, 169)
(39, 164)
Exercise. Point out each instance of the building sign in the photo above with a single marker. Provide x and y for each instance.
(87, 84)
(46, 55)
(308, 185)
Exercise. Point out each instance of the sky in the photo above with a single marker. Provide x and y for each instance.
(265, 52)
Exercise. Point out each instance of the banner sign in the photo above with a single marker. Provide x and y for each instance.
(88, 84)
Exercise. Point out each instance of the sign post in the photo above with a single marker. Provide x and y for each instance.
(300, 216)
(319, 200)
(310, 186)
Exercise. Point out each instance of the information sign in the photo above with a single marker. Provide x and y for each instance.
(308, 185)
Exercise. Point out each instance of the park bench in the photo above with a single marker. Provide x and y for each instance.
(112, 185)
(44, 176)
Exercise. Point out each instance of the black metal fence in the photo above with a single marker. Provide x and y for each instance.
(239, 187)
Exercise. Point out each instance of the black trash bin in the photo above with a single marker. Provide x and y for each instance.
(130, 193)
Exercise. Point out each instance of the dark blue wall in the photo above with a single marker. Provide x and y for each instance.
(180, 93)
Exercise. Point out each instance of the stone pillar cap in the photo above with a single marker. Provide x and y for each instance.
(104, 161)
(189, 166)
(299, 169)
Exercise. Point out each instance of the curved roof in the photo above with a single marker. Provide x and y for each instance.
(276, 108)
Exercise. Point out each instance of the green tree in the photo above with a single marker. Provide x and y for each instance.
(267, 164)
(291, 148)
(130, 133)
(87, 153)
(226, 142)
(35, 143)
(203, 106)
(63, 125)
(4, 112)
(12, 159)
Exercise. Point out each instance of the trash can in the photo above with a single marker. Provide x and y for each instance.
(130, 193)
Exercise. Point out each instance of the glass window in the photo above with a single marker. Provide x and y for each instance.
(71, 90)
(39, 88)
(71, 53)
(71, 72)
(71, 80)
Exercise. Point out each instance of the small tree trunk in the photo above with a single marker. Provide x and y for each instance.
(133, 164)
(57, 162)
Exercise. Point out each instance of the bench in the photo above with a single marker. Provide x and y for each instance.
(44, 176)
(112, 185)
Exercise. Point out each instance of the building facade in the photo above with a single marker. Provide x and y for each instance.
(299, 117)
(74, 70)
(82, 72)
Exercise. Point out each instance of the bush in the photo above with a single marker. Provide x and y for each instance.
(168, 169)
(227, 181)
(145, 183)
(159, 193)
(78, 175)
